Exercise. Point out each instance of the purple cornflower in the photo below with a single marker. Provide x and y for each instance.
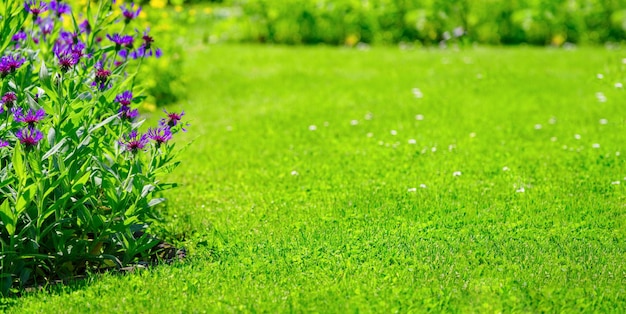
(30, 118)
(126, 113)
(46, 26)
(129, 13)
(9, 64)
(124, 98)
(67, 55)
(29, 137)
(132, 142)
(146, 49)
(85, 27)
(160, 135)
(35, 7)
(172, 119)
(101, 78)
(3, 143)
(19, 38)
(9, 99)
(60, 8)
(121, 40)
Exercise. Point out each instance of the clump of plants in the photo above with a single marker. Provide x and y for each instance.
(79, 179)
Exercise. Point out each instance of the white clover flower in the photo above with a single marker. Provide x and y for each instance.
(434, 149)
(354, 122)
(520, 190)
(370, 134)
(412, 141)
(369, 116)
(326, 123)
(617, 153)
(412, 190)
(616, 182)
(472, 134)
(417, 93)
(604, 121)
(619, 85)
(294, 173)
(419, 117)
(577, 136)
(505, 168)
(393, 132)
(552, 120)
(456, 174)
(312, 127)
(601, 97)
(537, 126)
(554, 138)
(423, 186)
(600, 76)
(595, 145)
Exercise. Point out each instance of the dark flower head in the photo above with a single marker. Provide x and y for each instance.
(9, 99)
(133, 143)
(9, 64)
(35, 7)
(3, 143)
(60, 8)
(68, 55)
(146, 49)
(172, 119)
(30, 118)
(101, 78)
(124, 98)
(46, 25)
(29, 137)
(129, 13)
(160, 135)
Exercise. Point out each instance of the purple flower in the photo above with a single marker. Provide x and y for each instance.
(160, 135)
(172, 119)
(128, 12)
(146, 49)
(30, 118)
(126, 113)
(29, 137)
(19, 38)
(35, 7)
(9, 99)
(60, 8)
(133, 143)
(10, 64)
(124, 98)
(101, 78)
(121, 40)
(3, 143)
(85, 27)
(46, 25)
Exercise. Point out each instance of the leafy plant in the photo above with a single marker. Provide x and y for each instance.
(78, 182)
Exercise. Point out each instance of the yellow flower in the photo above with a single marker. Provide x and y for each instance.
(143, 15)
(178, 8)
(158, 4)
(207, 10)
(150, 107)
(192, 12)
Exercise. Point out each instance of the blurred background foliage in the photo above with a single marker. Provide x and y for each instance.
(335, 22)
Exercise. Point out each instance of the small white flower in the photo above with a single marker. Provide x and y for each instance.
(354, 122)
(393, 132)
(294, 173)
(229, 128)
(537, 126)
(595, 145)
(624, 61)
(604, 121)
(577, 136)
(417, 92)
(552, 120)
(505, 168)
(615, 182)
(412, 190)
(601, 97)
(412, 141)
(326, 123)
(434, 149)
(312, 127)
(370, 134)
(617, 153)
(565, 147)
(381, 143)
(472, 134)
(479, 76)
(451, 147)
(369, 116)
(456, 174)
(419, 117)
(423, 186)
(554, 139)
(618, 85)
(520, 190)
(600, 76)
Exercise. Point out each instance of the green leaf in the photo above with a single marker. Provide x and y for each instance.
(103, 123)
(156, 201)
(25, 198)
(78, 184)
(18, 163)
(53, 150)
(7, 217)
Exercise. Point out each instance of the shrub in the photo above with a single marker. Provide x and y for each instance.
(78, 181)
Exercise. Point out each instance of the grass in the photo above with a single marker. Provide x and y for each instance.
(282, 218)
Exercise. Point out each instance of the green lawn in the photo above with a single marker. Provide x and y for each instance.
(312, 185)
